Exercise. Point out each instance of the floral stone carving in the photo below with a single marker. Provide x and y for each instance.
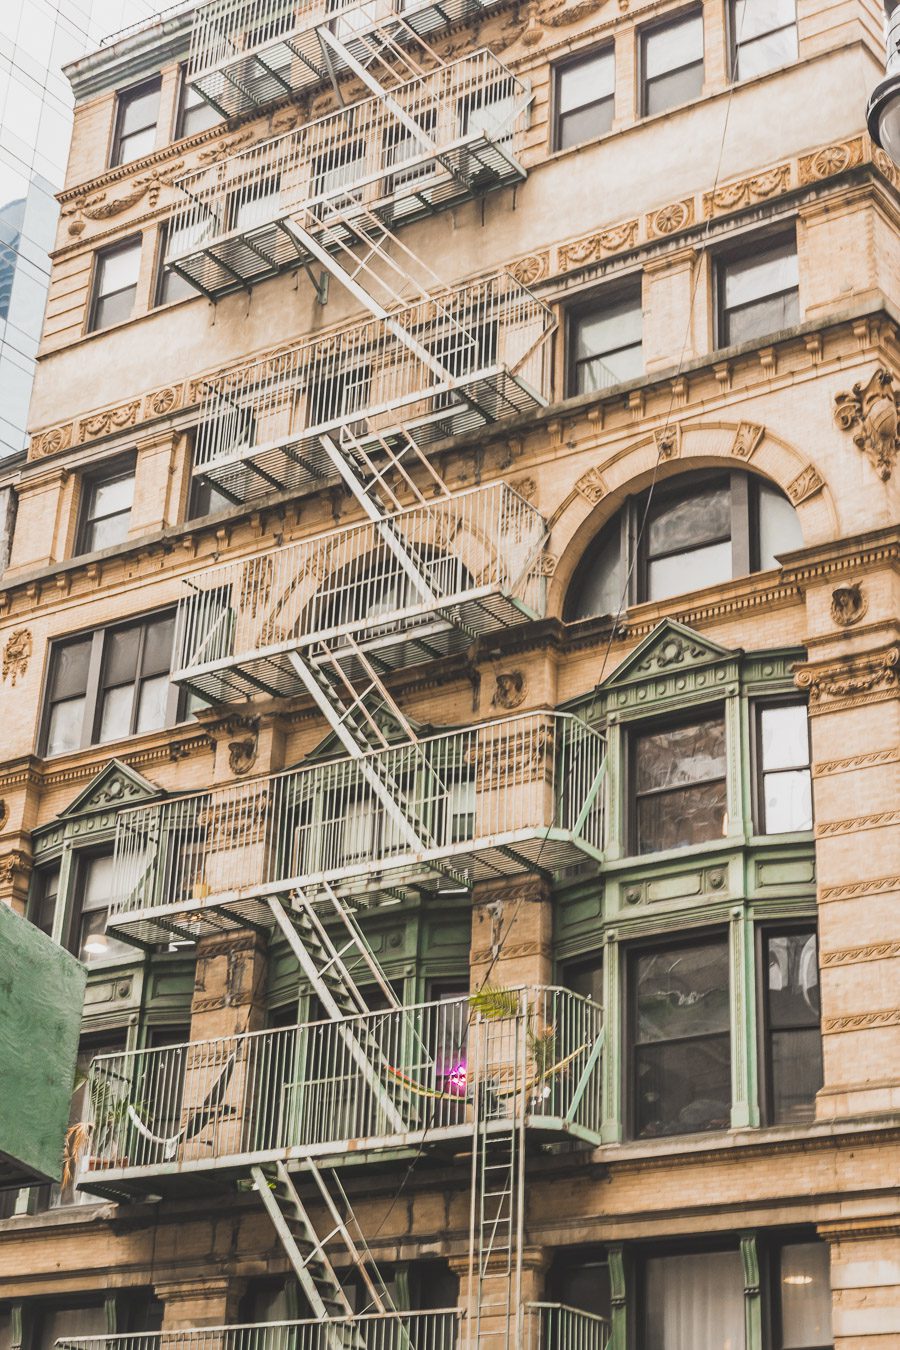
(17, 654)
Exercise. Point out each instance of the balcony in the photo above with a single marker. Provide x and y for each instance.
(547, 1326)
(512, 796)
(412, 590)
(357, 1090)
(246, 53)
(261, 425)
(364, 161)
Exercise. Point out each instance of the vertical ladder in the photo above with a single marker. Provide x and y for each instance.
(497, 1209)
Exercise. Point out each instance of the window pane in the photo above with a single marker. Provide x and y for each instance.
(152, 703)
(64, 730)
(139, 109)
(70, 669)
(611, 368)
(158, 646)
(586, 82)
(260, 207)
(762, 274)
(793, 980)
(114, 309)
(805, 1296)
(674, 45)
(675, 755)
(115, 718)
(121, 656)
(683, 1087)
(583, 125)
(137, 144)
(119, 268)
(685, 521)
(111, 495)
(753, 17)
(689, 571)
(93, 944)
(196, 113)
(785, 736)
(680, 818)
(763, 318)
(668, 91)
(609, 327)
(97, 885)
(796, 1076)
(779, 526)
(695, 1302)
(682, 992)
(766, 53)
(788, 801)
(106, 533)
(600, 591)
(44, 910)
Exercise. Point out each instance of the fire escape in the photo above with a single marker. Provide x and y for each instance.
(390, 815)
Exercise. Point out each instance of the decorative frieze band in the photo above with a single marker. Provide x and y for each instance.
(827, 829)
(853, 956)
(872, 760)
(858, 890)
(869, 1021)
(532, 269)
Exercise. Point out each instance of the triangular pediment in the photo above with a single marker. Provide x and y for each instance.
(114, 786)
(669, 648)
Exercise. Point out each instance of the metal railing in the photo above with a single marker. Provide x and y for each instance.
(471, 557)
(325, 1088)
(261, 424)
(469, 112)
(485, 801)
(244, 53)
(547, 1326)
(370, 1331)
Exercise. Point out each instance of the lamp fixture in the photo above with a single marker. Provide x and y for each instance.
(883, 111)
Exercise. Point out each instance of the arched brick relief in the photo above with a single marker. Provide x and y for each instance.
(599, 489)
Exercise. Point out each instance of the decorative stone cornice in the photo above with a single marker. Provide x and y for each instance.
(840, 683)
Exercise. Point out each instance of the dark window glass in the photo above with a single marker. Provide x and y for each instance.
(585, 978)
(338, 168)
(114, 683)
(764, 36)
(703, 530)
(681, 1051)
(804, 1297)
(785, 788)
(585, 92)
(679, 782)
(605, 343)
(694, 1301)
(115, 284)
(136, 120)
(194, 113)
(64, 716)
(171, 285)
(62, 1324)
(106, 509)
(671, 64)
(88, 940)
(579, 1278)
(794, 1042)
(688, 540)
(758, 293)
(42, 911)
(205, 498)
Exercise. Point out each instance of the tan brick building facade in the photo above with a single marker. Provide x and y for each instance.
(653, 771)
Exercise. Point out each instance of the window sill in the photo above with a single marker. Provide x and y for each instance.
(107, 750)
(747, 1137)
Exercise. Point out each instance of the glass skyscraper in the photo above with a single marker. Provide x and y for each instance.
(37, 38)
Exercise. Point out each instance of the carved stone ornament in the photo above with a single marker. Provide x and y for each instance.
(591, 486)
(16, 655)
(745, 191)
(858, 676)
(848, 605)
(509, 690)
(50, 442)
(101, 206)
(242, 754)
(808, 482)
(668, 441)
(111, 419)
(869, 412)
(241, 735)
(546, 564)
(669, 219)
(746, 439)
(531, 269)
(12, 864)
(4, 812)
(674, 651)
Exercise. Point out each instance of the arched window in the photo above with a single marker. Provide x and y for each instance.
(697, 530)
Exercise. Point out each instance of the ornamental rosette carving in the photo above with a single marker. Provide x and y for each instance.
(162, 401)
(50, 442)
(870, 413)
(531, 269)
(831, 159)
(671, 218)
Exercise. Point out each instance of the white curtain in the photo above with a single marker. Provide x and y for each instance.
(695, 1302)
(805, 1295)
